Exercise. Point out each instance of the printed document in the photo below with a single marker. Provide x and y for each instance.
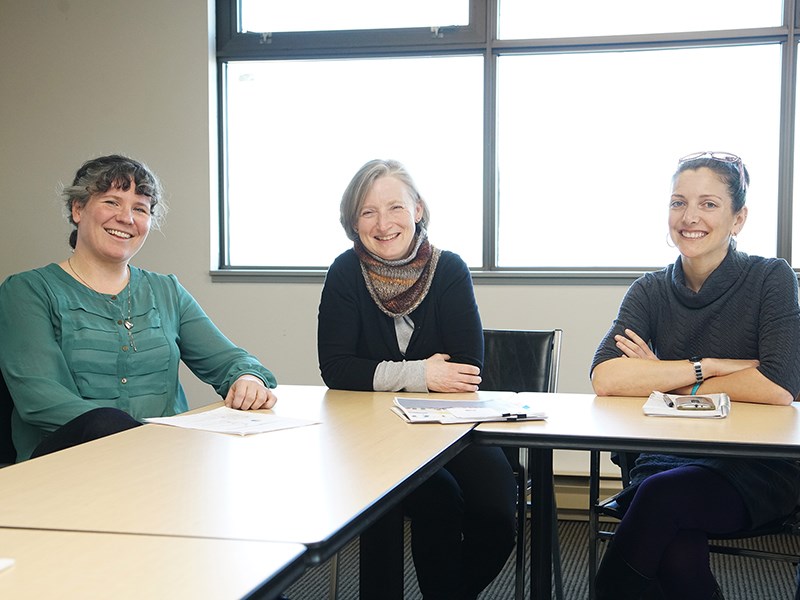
(427, 410)
(230, 420)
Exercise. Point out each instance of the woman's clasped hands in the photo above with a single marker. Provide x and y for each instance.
(633, 346)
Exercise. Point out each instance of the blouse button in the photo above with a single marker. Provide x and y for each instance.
(119, 322)
(124, 380)
(124, 348)
(114, 297)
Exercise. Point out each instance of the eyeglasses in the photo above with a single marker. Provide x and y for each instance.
(725, 157)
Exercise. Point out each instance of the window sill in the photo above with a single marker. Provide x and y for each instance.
(480, 277)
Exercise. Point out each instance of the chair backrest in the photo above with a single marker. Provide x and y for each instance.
(518, 360)
(8, 453)
(625, 462)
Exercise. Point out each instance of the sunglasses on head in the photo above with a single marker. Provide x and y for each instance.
(725, 157)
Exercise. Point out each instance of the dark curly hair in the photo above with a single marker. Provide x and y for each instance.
(98, 175)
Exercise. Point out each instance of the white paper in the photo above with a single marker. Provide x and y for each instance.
(230, 420)
(5, 563)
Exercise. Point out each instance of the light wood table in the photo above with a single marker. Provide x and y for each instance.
(68, 564)
(319, 485)
(588, 422)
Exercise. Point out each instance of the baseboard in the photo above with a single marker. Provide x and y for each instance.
(572, 495)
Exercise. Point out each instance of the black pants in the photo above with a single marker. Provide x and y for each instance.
(664, 533)
(463, 524)
(89, 426)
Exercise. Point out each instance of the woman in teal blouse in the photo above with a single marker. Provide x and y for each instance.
(91, 345)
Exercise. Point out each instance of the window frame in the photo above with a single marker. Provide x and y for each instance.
(478, 38)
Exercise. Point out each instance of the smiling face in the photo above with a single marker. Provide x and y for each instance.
(113, 225)
(387, 219)
(701, 217)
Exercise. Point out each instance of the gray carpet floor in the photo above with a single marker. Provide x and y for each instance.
(741, 578)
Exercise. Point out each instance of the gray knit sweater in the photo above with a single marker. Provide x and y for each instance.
(747, 308)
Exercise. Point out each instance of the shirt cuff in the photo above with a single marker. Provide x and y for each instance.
(406, 375)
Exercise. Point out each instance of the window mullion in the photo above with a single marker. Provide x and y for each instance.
(787, 135)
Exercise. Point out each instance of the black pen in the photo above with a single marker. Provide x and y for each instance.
(667, 401)
(513, 416)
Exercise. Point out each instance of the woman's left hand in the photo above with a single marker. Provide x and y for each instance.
(249, 393)
(444, 376)
(633, 346)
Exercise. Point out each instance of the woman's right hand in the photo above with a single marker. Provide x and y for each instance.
(248, 392)
(443, 376)
(718, 367)
(633, 346)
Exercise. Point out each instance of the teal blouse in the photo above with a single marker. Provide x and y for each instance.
(65, 350)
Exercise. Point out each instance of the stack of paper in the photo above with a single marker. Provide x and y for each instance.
(708, 406)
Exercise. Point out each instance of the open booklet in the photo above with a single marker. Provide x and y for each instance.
(709, 406)
(428, 410)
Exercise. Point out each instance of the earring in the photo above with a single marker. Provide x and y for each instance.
(669, 242)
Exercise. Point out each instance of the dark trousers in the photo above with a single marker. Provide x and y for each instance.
(89, 426)
(463, 524)
(664, 533)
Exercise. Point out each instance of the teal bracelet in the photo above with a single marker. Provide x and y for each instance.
(695, 388)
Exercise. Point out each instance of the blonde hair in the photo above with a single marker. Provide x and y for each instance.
(360, 184)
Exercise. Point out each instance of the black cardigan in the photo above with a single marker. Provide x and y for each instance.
(354, 335)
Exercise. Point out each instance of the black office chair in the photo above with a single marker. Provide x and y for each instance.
(610, 509)
(8, 454)
(524, 361)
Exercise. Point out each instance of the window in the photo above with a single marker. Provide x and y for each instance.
(324, 15)
(287, 175)
(583, 18)
(585, 156)
(535, 130)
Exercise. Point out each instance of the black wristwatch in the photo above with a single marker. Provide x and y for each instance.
(698, 369)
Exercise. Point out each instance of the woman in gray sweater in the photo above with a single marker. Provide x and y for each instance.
(717, 320)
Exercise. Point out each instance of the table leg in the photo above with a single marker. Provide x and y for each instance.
(381, 558)
(540, 468)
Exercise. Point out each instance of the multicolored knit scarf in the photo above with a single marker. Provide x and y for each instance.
(399, 286)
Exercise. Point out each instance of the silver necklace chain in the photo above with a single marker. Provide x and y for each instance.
(127, 323)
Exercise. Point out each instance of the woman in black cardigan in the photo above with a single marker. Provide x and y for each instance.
(399, 314)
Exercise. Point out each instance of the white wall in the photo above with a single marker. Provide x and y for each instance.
(80, 78)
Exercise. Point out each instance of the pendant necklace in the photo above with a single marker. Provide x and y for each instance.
(127, 323)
